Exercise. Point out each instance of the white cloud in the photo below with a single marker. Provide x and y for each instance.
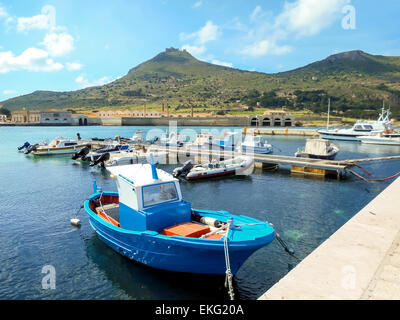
(58, 44)
(264, 47)
(209, 32)
(309, 17)
(85, 83)
(31, 59)
(197, 4)
(221, 63)
(9, 92)
(3, 13)
(257, 10)
(40, 21)
(194, 50)
(73, 66)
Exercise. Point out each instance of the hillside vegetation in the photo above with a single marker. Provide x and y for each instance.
(356, 82)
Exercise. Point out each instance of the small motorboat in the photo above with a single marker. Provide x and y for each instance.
(318, 149)
(228, 141)
(201, 141)
(137, 156)
(148, 221)
(172, 139)
(138, 137)
(254, 144)
(240, 166)
(387, 137)
(102, 154)
(59, 145)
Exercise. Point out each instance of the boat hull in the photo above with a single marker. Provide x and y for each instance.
(381, 141)
(179, 254)
(51, 151)
(340, 136)
(259, 150)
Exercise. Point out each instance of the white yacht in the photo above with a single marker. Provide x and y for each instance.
(360, 128)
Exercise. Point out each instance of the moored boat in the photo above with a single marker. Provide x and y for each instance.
(382, 138)
(240, 166)
(228, 141)
(360, 128)
(134, 157)
(59, 145)
(318, 149)
(254, 144)
(148, 221)
(102, 154)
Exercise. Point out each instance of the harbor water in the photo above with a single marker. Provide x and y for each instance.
(39, 196)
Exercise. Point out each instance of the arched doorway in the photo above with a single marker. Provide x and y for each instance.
(288, 122)
(85, 122)
(266, 122)
(277, 122)
(254, 122)
(80, 121)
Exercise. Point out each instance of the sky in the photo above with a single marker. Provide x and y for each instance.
(64, 45)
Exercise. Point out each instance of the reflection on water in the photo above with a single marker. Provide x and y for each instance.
(42, 194)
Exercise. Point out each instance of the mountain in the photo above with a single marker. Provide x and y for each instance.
(353, 79)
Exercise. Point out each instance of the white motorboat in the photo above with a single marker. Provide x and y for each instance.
(387, 137)
(254, 144)
(138, 137)
(240, 166)
(228, 141)
(172, 139)
(59, 145)
(318, 149)
(134, 157)
(201, 141)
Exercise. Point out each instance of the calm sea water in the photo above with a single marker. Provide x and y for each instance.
(39, 196)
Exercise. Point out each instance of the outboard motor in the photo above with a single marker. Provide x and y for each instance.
(104, 157)
(31, 148)
(183, 171)
(24, 146)
(81, 153)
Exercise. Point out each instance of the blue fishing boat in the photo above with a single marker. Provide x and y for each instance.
(148, 221)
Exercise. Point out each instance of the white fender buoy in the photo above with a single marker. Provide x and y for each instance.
(75, 222)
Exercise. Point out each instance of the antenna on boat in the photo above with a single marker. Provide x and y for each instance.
(153, 167)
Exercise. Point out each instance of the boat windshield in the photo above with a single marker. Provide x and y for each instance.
(159, 193)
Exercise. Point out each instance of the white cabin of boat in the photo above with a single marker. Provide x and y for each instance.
(148, 203)
(319, 147)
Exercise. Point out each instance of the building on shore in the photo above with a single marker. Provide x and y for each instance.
(272, 119)
(3, 118)
(55, 117)
(25, 116)
(131, 114)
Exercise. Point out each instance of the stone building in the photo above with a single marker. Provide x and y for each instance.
(25, 116)
(131, 114)
(272, 119)
(56, 117)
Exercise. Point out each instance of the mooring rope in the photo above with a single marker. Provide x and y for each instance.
(228, 273)
(373, 180)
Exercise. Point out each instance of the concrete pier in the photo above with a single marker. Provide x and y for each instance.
(359, 261)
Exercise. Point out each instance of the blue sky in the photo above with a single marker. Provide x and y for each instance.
(65, 45)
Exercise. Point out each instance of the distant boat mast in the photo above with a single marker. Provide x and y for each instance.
(329, 111)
